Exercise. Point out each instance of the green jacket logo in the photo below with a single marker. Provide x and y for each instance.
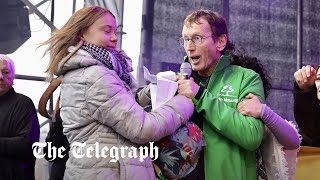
(225, 93)
(227, 89)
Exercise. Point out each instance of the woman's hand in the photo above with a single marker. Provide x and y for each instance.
(305, 77)
(250, 107)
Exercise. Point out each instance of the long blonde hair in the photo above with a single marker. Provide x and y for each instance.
(69, 35)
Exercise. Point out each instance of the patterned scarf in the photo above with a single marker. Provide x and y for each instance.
(118, 63)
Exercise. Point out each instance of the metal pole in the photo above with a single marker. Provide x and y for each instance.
(74, 6)
(40, 3)
(31, 78)
(120, 26)
(38, 13)
(299, 33)
(145, 58)
(52, 13)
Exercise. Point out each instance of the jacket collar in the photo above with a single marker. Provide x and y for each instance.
(79, 58)
(223, 62)
(7, 95)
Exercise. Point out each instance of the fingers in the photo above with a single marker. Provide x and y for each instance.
(305, 77)
(184, 88)
(183, 80)
(179, 77)
(308, 71)
(250, 107)
(305, 73)
(313, 72)
(250, 96)
(240, 105)
(298, 75)
(242, 109)
(253, 99)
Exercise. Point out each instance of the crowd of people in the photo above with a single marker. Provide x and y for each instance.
(100, 102)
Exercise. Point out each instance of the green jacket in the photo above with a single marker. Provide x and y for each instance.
(231, 138)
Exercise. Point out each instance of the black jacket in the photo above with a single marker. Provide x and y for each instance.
(19, 129)
(307, 115)
(58, 139)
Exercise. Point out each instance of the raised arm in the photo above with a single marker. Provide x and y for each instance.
(284, 132)
(306, 104)
(115, 107)
(245, 131)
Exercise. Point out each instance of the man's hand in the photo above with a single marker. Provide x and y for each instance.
(187, 87)
(305, 77)
(250, 107)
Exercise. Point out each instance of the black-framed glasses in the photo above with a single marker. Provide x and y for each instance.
(196, 40)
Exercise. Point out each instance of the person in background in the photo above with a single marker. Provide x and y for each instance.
(97, 98)
(216, 87)
(307, 104)
(278, 157)
(57, 139)
(19, 127)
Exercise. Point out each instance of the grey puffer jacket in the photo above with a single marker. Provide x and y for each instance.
(96, 106)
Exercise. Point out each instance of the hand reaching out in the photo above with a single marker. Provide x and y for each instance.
(250, 107)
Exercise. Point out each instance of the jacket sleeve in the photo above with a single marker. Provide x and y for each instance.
(307, 113)
(27, 131)
(113, 105)
(284, 131)
(245, 131)
(143, 96)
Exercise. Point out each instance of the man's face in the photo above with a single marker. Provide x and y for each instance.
(317, 82)
(6, 77)
(204, 56)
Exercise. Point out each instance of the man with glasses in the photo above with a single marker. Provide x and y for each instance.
(307, 104)
(216, 87)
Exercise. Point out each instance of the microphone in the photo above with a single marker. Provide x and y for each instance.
(185, 70)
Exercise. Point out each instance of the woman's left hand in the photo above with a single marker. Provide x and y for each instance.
(250, 107)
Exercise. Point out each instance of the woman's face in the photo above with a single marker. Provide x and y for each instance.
(102, 32)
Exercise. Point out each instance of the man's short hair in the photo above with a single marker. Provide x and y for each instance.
(9, 61)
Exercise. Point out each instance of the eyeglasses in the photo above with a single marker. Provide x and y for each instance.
(196, 40)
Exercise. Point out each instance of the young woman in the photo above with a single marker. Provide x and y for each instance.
(98, 100)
